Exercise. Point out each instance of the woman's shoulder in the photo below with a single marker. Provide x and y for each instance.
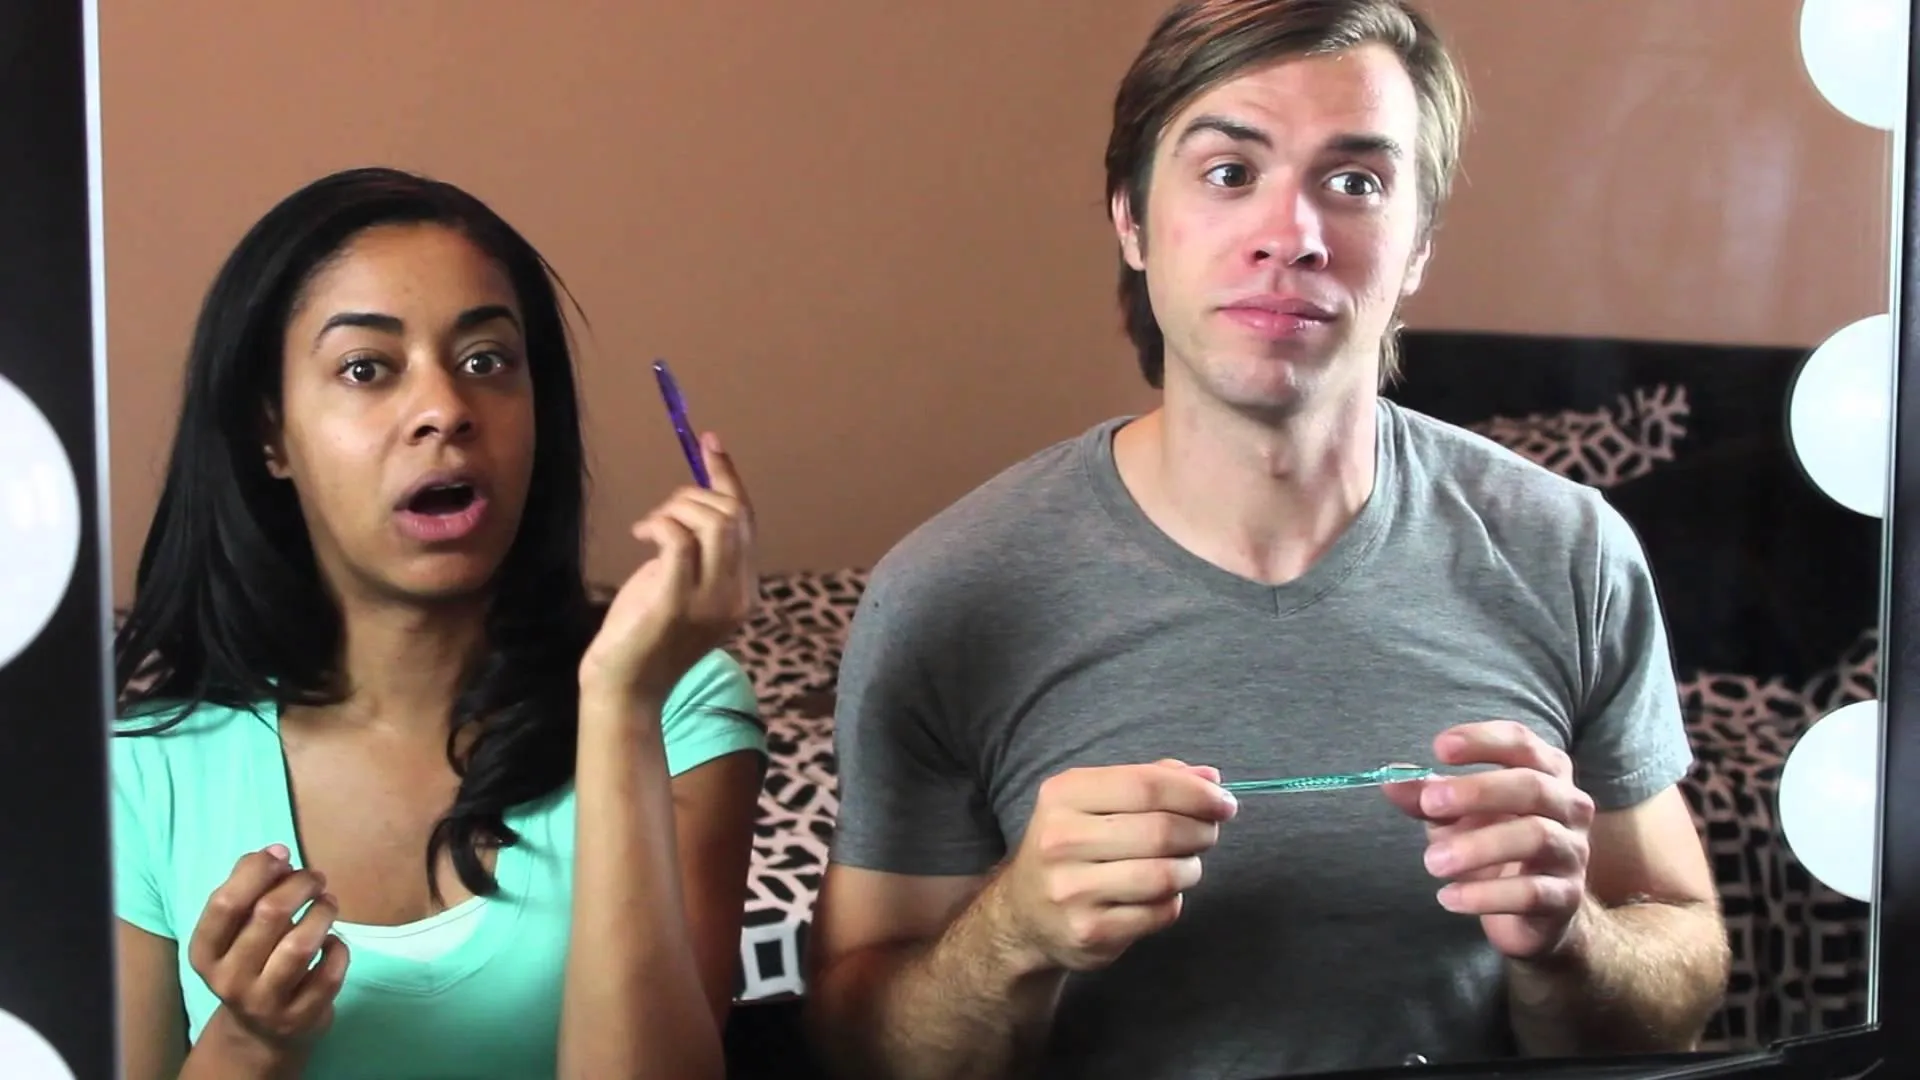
(165, 736)
(713, 710)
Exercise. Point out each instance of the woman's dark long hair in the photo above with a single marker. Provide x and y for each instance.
(229, 608)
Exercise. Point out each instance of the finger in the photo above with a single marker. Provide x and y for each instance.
(1513, 791)
(1529, 895)
(1501, 742)
(721, 469)
(1138, 789)
(1207, 772)
(1406, 797)
(1134, 881)
(286, 967)
(1092, 838)
(1543, 846)
(231, 905)
(674, 546)
(315, 995)
(272, 917)
(1107, 929)
(715, 534)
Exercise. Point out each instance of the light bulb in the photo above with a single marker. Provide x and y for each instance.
(1830, 798)
(25, 1054)
(1839, 414)
(39, 522)
(1855, 51)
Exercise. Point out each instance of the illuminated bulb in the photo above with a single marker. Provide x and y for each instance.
(1839, 415)
(39, 522)
(26, 1055)
(1855, 51)
(1829, 799)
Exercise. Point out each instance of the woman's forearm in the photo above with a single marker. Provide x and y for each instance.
(224, 1052)
(633, 1005)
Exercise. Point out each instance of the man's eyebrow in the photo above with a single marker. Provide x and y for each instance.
(1353, 144)
(1236, 130)
(1359, 145)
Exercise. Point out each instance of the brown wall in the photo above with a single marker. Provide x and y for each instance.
(870, 234)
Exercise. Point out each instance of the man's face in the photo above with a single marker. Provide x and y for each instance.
(1282, 229)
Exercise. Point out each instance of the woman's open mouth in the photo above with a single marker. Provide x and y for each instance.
(442, 512)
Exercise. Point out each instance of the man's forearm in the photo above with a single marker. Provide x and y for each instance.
(1646, 979)
(966, 1005)
(633, 1004)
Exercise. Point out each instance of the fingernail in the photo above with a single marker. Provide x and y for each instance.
(712, 442)
(1449, 897)
(279, 851)
(330, 899)
(1440, 859)
(1437, 799)
(1230, 801)
(320, 879)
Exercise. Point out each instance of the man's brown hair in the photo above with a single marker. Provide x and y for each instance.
(1200, 44)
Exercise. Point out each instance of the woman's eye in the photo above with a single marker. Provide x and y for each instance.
(361, 371)
(1232, 174)
(485, 363)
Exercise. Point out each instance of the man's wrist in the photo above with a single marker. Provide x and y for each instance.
(1004, 936)
(1574, 952)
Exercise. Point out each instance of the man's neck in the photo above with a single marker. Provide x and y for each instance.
(404, 665)
(1258, 499)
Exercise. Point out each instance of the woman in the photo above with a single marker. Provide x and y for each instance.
(392, 798)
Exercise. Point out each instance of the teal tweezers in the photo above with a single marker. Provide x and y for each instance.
(1391, 774)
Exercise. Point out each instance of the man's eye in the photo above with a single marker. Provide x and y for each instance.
(1232, 174)
(1356, 184)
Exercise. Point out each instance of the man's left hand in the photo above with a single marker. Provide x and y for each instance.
(1511, 842)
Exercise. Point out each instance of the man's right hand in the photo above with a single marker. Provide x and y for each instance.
(275, 1000)
(1105, 859)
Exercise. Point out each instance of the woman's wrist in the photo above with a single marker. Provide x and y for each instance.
(616, 707)
(230, 1050)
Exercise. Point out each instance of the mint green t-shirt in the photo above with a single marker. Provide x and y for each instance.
(484, 1003)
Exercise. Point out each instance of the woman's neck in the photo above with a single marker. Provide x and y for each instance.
(403, 665)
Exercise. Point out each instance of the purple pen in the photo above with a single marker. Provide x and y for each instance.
(682, 427)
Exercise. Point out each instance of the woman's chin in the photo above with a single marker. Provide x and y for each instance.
(443, 579)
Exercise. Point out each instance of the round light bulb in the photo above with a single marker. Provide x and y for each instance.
(39, 522)
(1839, 414)
(1855, 51)
(1830, 796)
(25, 1054)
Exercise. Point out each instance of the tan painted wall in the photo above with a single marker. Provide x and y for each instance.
(870, 234)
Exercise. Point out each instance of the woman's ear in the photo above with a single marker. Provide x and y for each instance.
(273, 447)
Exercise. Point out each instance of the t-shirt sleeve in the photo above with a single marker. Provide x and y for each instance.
(1630, 741)
(910, 799)
(712, 712)
(139, 816)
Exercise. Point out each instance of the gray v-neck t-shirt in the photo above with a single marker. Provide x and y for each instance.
(1042, 623)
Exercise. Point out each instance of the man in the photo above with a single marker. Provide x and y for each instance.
(1276, 572)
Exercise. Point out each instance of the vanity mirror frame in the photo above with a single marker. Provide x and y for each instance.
(56, 934)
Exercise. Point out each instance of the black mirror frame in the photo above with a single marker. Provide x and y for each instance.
(54, 827)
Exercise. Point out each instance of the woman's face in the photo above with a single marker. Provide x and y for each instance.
(406, 420)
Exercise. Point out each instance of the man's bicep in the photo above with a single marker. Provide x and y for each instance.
(860, 909)
(1649, 851)
(1629, 740)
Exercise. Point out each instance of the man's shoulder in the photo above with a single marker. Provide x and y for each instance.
(1496, 480)
(1017, 520)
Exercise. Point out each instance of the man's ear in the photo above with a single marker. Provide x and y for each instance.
(1128, 230)
(1417, 268)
